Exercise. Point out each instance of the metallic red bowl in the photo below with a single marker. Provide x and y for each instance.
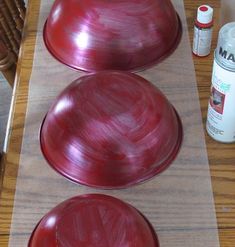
(99, 35)
(111, 129)
(93, 220)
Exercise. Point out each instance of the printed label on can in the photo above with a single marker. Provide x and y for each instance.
(217, 100)
(202, 41)
(221, 109)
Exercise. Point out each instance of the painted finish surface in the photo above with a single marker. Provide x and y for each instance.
(93, 220)
(96, 35)
(172, 201)
(110, 129)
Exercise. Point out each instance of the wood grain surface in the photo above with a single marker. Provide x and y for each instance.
(221, 156)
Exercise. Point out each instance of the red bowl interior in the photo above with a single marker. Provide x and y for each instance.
(121, 35)
(93, 220)
(110, 130)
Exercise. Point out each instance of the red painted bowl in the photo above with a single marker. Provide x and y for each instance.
(93, 220)
(110, 130)
(99, 35)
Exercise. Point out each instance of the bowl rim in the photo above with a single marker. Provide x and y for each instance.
(136, 69)
(140, 180)
(151, 228)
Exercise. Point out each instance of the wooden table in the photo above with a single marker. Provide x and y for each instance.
(221, 156)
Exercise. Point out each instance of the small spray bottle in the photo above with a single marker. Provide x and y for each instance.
(203, 31)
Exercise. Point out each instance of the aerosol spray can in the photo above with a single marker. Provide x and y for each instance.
(221, 111)
(203, 31)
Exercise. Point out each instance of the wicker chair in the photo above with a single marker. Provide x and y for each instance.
(12, 14)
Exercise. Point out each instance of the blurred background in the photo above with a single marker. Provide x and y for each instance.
(12, 15)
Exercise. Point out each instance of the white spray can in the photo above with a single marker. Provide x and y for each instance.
(221, 110)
